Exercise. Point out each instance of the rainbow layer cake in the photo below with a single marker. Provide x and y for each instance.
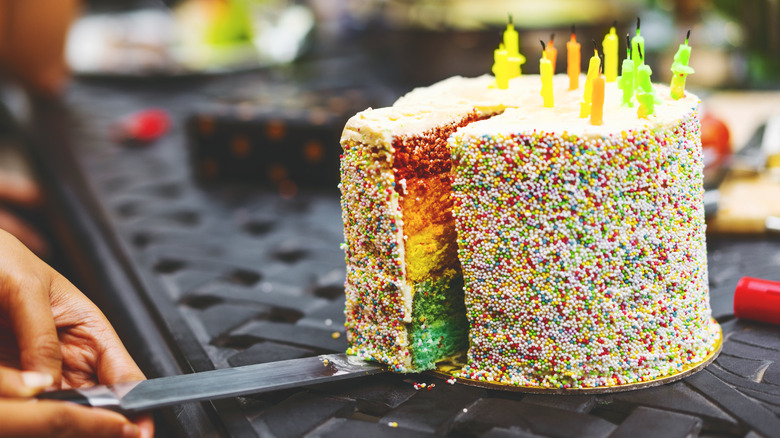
(546, 250)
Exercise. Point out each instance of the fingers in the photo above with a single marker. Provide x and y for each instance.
(36, 334)
(28, 235)
(114, 363)
(15, 383)
(24, 300)
(49, 418)
(145, 424)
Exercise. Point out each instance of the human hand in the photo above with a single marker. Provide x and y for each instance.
(32, 418)
(52, 336)
(32, 42)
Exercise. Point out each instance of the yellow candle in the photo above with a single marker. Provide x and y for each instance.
(593, 71)
(512, 45)
(511, 39)
(552, 52)
(514, 64)
(573, 61)
(546, 73)
(610, 48)
(501, 67)
(597, 103)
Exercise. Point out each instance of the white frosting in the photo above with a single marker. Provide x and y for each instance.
(381, 125)
(525, 109)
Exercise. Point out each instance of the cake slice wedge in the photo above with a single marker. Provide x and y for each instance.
(404, 287)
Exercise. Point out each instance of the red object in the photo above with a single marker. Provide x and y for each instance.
(715, 140)
(144, 126)
(758, 300)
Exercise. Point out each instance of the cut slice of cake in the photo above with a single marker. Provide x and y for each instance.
(405, 304)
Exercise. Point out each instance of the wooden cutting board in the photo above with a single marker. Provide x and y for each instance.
(746, 202)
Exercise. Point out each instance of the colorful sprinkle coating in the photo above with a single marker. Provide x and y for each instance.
(584, 259)
(376, 320)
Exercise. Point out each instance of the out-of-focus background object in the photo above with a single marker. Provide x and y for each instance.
(192, 36)
(32, 37)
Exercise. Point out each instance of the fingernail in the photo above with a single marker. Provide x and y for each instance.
(130, 430)
(34, 379)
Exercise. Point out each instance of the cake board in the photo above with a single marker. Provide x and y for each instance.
(448, 370)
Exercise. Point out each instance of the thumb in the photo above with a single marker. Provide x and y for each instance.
(15, 383)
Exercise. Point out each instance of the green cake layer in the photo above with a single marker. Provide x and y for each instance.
(439, 328)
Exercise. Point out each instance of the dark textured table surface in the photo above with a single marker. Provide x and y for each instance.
(197, 278)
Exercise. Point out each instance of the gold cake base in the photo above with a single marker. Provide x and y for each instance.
(447, 370)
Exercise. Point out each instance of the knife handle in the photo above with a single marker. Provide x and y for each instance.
(99, 396)
(68, 395)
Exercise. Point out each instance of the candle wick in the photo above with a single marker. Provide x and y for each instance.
(641, 55)
(510, 19)
(628, 46)
(544, 48)
(614, 23)
(552, 37)
(637, 25)
(687, 36)
(595, 47)
(572, 31)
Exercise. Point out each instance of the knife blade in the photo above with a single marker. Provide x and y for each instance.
(133, 397)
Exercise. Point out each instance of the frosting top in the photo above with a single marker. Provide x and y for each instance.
(520, 108)
(382, 124)
(525, 110)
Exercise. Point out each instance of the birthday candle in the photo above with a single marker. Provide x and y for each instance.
(626, 80)
(501, 67)
(597, 102)
(512, 45)
(511, 39)
(637, 46)
(552, 52)
(680, 69)
(610, 49)
(593, 70)
(645, 94)
(546, 73)
(573, 61)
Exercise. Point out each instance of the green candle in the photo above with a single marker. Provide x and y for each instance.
(626, 80)
(646, 104)
(644, 93)
(680, 68)
(637, 47)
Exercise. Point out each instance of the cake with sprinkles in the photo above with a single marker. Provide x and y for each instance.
(552, 252)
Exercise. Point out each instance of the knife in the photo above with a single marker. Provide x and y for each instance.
(133, 397)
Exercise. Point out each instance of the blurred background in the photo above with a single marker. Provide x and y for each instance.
(736, 44)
